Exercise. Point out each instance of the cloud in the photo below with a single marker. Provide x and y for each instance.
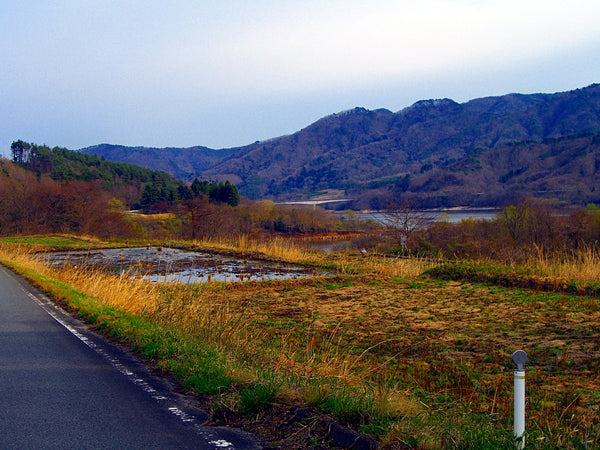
(347, 42)
(225, 73)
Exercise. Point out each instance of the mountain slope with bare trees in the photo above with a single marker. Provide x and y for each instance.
(480, 153)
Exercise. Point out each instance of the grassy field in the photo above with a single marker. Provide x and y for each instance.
(390, 347)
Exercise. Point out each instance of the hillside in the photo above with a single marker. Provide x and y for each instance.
(123, 181)
(566, 170)
(480, 153)
(183, 163)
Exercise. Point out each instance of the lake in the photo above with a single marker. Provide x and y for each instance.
(452, 215)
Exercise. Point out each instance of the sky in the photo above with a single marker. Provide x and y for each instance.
(228, 73)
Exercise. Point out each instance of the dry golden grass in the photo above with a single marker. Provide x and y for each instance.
(132, 296)
(277, 247)
(417, 346)
(453, 338)
(582, 265)
(396, 266)
(288, 250)
(152, 217)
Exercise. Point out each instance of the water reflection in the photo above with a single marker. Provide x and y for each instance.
(163, 264)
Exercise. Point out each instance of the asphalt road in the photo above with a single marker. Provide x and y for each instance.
(62, 386)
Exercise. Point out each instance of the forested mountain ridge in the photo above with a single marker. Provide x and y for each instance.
(135, 186)
(566, 170)
(125, 181)
(479, 153)
(183, 163)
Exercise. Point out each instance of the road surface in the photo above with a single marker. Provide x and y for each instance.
(62, 386)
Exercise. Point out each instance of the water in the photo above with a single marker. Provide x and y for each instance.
(163, 264)
(450, 215)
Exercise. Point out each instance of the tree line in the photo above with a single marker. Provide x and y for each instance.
(137, 187)
(62, 164)
(93, 196)
(33, 201)
(527, 229)
(30, 205)
(164, 197)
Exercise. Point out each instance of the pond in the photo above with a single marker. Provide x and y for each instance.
(164, 264)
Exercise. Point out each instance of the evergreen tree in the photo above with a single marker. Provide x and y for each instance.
(150, 197)
(184, 193)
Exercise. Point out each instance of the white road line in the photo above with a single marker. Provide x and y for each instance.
(112, 360)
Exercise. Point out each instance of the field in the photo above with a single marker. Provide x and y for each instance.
(386, 346)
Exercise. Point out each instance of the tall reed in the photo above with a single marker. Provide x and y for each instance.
(134, 296)
(277, 247)
(582, 264)
(396, 266)
(282, 248)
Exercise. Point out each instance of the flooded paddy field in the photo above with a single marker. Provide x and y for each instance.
(164, 264)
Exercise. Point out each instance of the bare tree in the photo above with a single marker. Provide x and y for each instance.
(198, 212)
(403, 219)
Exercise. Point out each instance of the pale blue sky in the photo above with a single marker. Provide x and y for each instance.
(227, 73)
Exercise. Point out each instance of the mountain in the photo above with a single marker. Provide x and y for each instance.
(182, 163)
(566, 170)
(483, 152)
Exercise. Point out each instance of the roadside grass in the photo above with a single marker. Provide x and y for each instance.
(415, 361)
(55, 242)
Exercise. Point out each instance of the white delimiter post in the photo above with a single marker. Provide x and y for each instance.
(519, 358)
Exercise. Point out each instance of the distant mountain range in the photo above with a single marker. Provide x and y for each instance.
(485, 152)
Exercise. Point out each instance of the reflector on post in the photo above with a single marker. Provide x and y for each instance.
(519, 358)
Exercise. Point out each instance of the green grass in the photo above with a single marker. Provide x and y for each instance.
(53, 242)
(200, 367)
(259, 395)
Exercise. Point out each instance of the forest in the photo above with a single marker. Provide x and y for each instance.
(48, 190)
(56, 190)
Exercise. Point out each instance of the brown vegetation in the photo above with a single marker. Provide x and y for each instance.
(29, 205)
(528, 230)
